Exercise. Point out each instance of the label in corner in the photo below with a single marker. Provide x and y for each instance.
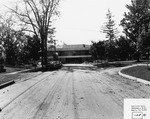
(137, 108)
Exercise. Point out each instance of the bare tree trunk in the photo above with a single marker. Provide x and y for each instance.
(45, 53)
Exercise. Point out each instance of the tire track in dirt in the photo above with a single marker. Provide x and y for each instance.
(95, 97)
(131, 88)
(43, 107)
(109, 88)
(22, 102)
(47, 103)
(14, 98)
(75, 94)
(62, 105)
(74, 98)
(116, 88)
(120, 88)
(88, 106)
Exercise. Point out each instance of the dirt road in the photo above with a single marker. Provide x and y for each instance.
(70, 93)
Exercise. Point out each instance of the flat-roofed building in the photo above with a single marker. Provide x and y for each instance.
(71, 53)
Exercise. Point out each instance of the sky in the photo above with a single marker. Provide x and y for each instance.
(80, 21)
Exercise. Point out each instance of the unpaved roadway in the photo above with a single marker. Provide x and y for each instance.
(70, 93)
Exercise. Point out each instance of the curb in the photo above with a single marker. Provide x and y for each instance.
(11, 82)
(131, 77)
(7, 84)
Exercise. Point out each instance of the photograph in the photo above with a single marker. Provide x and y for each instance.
(75, 59)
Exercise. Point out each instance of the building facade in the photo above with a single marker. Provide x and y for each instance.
(71, 53)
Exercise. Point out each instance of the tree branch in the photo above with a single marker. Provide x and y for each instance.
(35, 12)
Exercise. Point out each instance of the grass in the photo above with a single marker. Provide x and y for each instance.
(115, 64)
(6, 78)
(138, 71)
(12, 69)
(18, 76)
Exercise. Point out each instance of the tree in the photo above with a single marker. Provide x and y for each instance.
(31, 51)
(111, 31)
(125, 50)
(98, 50)
(36, 17)
(11, 40)
(136, 22)
(109, 27)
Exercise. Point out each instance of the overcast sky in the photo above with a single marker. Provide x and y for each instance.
(80, 21)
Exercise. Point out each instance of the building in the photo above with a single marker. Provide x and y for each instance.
(71, 53)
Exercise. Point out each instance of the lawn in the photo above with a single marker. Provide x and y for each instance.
(5, 77)
(115, 64)
(12, 69)
(138, 71)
